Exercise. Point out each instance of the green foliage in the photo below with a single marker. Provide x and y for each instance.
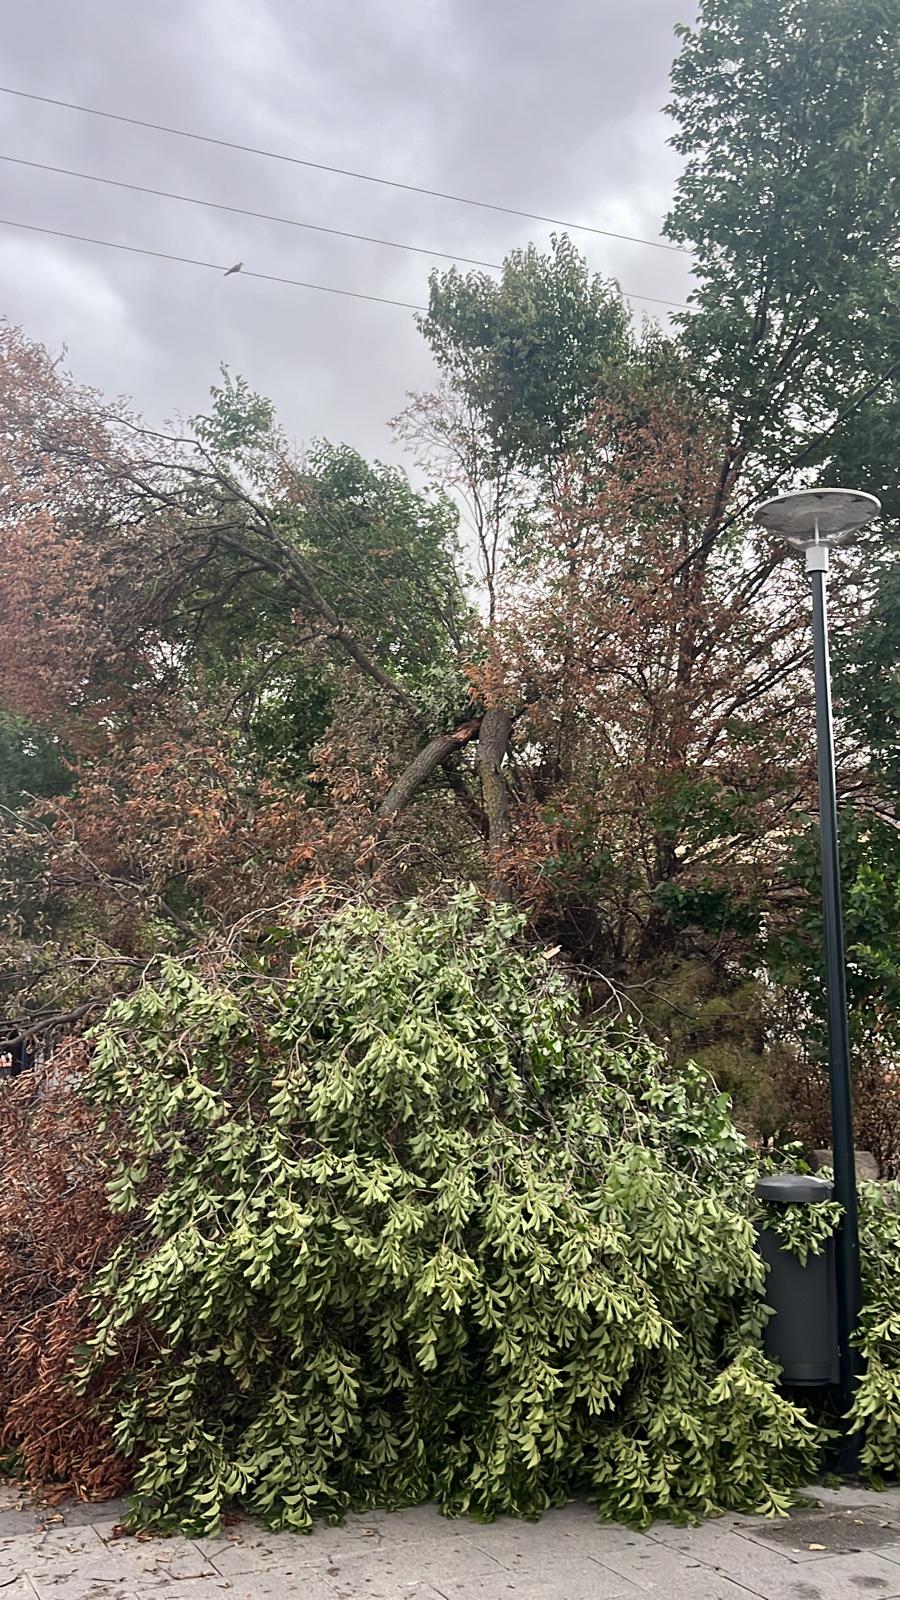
(383, 560)
(713, 1013)
(867, 665)
(711, 907)
(530, 353)
(804, 1231)
(290, 717)
(240, 427)
(33, 767)
(877, 1408)
(870, 868)
(32, 762)
(386, 557)
(787, 114)
(405, 1228)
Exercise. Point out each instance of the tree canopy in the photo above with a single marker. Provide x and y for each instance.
(571, 669)
(414, 884)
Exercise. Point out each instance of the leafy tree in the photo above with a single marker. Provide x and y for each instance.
(867, 675)
(55, 1227)
(66, 541)
(616, 731)
(787, 114)
(192, 615)
(530, 352)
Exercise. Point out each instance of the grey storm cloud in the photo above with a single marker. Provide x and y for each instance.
(548, 108)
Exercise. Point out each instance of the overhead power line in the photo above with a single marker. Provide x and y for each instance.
(242, 211)
(212, 266)
(342, 172)
(285, 221)
(245, 272)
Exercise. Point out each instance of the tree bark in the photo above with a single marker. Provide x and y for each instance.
(493, 742)
(429, 758)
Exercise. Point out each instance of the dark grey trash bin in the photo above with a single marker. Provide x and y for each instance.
(802, 1335)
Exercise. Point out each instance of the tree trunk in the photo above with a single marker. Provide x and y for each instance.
(493, 742)
(429, 758)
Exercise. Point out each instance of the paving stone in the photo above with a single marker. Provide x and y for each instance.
(855, 1496)
(564, 1580)
(558, 1558)
(836, 1530)
(189, 1589)
(890, 1552)
(81, 1513)
(571, 1578)
(88, 1578)
(417, 1554)
(15, 1521)
(760, 1568)
(347, 1588)
(854, 1577)
(437, 1563)
(165, 1558)
(254, 1549)
(410, 1524)
(657, 1569)
(499, 1585)
(415, 1591)
(245, 1547)
(272, 1585)
(564, 1531)
(54, 1544)
(702, 1584)
(367, 1585)
(10, 1569)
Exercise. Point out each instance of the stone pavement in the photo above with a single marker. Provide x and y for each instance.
(845, 1547)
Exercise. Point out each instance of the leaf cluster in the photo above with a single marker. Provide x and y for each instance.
(401, 1227)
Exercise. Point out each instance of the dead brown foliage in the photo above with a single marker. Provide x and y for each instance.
(802, 1086)
(55, 1230)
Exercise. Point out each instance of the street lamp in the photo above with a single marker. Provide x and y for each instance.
(814, 520)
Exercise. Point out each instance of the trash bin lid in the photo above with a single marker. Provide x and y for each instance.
(794, 1188)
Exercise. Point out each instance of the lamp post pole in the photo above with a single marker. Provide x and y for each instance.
(813, 521)
(849, 1293)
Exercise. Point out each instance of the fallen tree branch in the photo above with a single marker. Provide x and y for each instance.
(426, 761)
(43, 1025)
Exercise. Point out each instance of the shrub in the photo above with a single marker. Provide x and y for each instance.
(402, 1227)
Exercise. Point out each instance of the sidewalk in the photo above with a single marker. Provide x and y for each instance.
(847, 1547)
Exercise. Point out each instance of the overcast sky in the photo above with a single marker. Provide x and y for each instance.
(553, 108)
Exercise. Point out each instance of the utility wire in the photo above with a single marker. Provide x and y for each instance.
(215, 266)
(241, 211)
(212, 266)
(343, 172)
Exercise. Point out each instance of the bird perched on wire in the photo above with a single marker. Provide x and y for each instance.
(236, 268)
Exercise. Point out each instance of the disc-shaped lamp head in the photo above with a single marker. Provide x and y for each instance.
(805, 517)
